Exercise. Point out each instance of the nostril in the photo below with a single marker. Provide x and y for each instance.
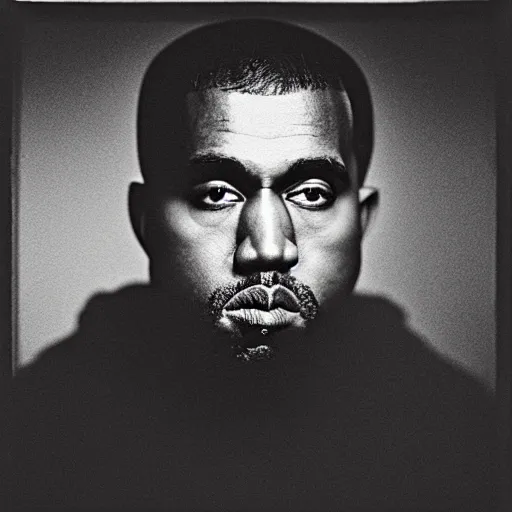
(261, 266)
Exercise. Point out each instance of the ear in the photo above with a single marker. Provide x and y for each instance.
(368, 204)
(137, 205)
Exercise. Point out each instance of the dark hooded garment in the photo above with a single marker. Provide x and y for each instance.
(130, 413)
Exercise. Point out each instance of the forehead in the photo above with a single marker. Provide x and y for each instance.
(269, 129)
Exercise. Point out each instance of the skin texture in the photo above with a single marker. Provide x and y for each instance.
(268, 183)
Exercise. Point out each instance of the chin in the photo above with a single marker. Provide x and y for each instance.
(254, 354)
(252, 342)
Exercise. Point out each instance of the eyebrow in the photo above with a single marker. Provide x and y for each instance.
(211, 166)
(311, 164)
(319, 167)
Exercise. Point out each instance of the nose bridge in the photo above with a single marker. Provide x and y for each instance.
(266, 232)
(267, 219)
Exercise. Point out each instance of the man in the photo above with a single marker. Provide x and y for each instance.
(246, 376)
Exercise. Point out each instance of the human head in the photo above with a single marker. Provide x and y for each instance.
(254, 138)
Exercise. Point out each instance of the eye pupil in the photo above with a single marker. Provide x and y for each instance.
(216, 194)
(312, 194)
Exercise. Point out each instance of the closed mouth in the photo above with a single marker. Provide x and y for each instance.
(257, 307)
(265, 299)
(264, 291)
(276, 317)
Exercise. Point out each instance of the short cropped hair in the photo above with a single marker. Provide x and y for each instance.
(249, 56)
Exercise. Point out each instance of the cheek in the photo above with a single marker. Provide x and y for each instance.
(186, 244)
(329, 249)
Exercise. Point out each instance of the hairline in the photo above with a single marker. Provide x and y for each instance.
(343, 76)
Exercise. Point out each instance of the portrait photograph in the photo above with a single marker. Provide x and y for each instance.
(255, 258)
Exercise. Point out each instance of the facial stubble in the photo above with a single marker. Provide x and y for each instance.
(257, 343)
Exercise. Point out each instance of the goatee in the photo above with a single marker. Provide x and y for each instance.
(255, 308)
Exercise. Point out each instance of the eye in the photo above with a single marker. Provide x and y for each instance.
(216, 195)
(312, 194)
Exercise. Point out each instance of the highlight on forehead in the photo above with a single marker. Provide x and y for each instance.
(301, 112)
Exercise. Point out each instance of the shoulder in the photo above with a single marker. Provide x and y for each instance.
(414, 382)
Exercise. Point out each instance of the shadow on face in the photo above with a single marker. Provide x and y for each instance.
(260, 224)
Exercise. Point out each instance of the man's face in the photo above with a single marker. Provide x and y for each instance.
(259, 223)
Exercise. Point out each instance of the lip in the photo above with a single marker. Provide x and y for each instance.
(276, 317)
(261, 298)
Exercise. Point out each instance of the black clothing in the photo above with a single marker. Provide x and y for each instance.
(132, 412)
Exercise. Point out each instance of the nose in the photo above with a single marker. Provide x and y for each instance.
(266, 239)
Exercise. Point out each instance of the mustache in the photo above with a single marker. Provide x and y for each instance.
(290, 293)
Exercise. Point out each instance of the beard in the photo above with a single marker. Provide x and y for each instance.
(255, 308)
